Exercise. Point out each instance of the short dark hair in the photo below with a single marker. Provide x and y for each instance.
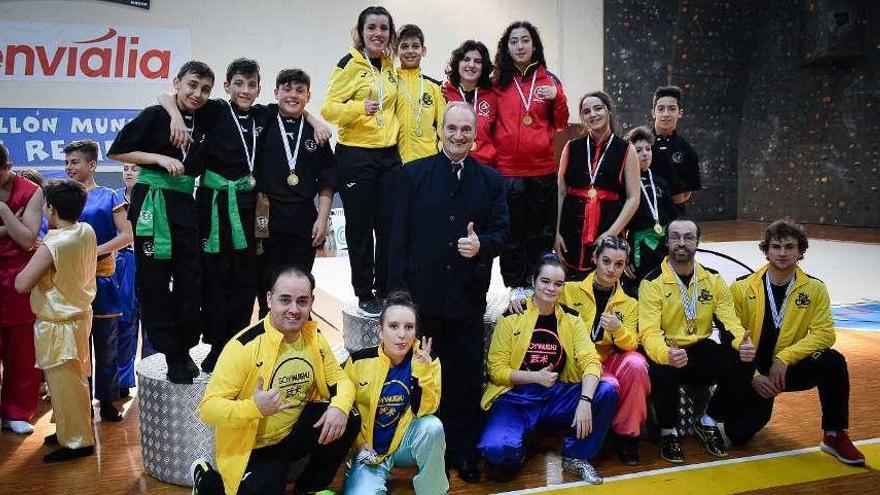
(663, 91)
(606, 100)
(358, 35)
(291, 269)
(399, 298)
(292, 76)
(196, 68)
(67, 196)
(504, 66)
(683, 218)
(244, 66)
(640, 133)
(4, 156)
(548, 259)
(411, 31)
(87, 147)
(780, 229)
(611, 242)
(458, 55)
(32, 175)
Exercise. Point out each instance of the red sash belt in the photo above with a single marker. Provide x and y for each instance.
(592, 212)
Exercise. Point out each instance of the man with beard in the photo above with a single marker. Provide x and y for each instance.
(677, 304)
(789, 313)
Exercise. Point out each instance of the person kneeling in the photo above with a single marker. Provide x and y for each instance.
(544, 372)
(398, 428)
(267, 400)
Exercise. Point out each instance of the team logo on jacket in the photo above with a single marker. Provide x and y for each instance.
(619, 315)
(391, 78)
(705, 296)
(427, 100)
(310, 145)
(677, 157)
(149, 250)
(484, 108)
(802, 300)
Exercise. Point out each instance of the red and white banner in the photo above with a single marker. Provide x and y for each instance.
(32, 51)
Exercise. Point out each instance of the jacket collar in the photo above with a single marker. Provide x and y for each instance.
(309, 330)
(756, 280)
(587, 287)
(358, 55)
(529, 69)
(669, 276)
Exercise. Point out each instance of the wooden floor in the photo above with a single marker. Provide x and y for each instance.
(117, 468)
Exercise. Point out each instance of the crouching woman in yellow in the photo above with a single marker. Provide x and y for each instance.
(277, 395)
(398, 388)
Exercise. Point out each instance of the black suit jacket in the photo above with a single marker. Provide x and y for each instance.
(431, 212)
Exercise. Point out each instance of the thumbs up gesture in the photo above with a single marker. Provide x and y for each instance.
(371, 106)
(269, 401)
(678, 358)
(469, 246)
(747, 348)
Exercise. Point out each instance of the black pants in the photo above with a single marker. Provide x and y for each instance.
(169, 291)
(230, 276)
(826, 370)
(458, 343)
(282, 249)
(709, 363)
(367, 178)
(266, 472)
(532, 205)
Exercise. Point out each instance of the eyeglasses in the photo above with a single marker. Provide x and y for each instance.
(688, 238)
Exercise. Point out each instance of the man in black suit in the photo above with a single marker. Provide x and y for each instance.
(450, 219)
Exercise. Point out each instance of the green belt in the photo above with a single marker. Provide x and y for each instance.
(153, 218)
(218, 183)
(647, 237)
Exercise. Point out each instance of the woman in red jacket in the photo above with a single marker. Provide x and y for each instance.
(532, 108)
(468, 80)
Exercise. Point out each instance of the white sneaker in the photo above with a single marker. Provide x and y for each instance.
(20, 427)
(583, 469)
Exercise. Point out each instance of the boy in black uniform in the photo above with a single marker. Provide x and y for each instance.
(291, 169)
(674, 158)
(163, 215)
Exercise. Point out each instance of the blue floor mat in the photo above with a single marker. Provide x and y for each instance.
(859, 316)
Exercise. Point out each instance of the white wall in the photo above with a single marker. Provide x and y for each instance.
(312, 35)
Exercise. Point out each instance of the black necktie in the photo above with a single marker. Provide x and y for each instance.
(456, 168)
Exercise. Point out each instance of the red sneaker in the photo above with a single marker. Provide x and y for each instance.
(841, 447)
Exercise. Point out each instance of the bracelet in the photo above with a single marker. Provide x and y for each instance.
(587, 398)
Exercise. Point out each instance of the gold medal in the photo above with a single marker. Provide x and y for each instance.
(418, 132)
(473, 146)
(591, 193)
(380, 119)
(658, 229)
(292, 179)
(527, 119)
(690, 328)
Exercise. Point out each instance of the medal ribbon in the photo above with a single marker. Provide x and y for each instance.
(249, 156)
(380, 88)
(291, 159)
(780, 314)
(190, 130)
(409, 99)
(464, 99)
(528, 103)
(593, 170)
(690, 304)
(653, 207)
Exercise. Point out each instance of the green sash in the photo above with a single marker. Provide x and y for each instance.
(153, 218)
(218, 183)
(647, 237)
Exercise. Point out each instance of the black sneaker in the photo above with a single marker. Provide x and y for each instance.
(671, 448)
(628, 450)
(109, 412)
(178, 371)
(204, 478)
(370, 306)
(65, 454)
(712, 440)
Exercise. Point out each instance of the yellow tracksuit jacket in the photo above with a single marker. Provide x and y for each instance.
(579, 297)
(807, 326)
(661, 312)
(228, 404)
(411, 146)
(367, 370)
(511, 339)
(350, 84)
